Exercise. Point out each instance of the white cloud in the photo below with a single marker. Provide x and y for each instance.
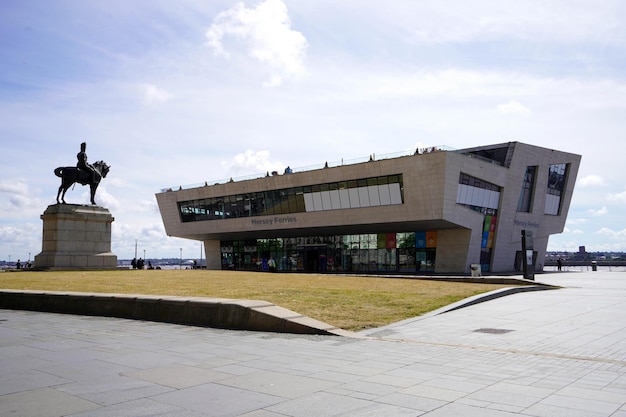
(252, 162)
(21, 239)
(153, 232)
(599, 212)
(18, 187)
(19, 196)
(21, 201)
(617, 197)
(616, 234)
(469, 84)
(104, 198)
(274, 81)
(592, 180)
(266, 35)
(514, 108)
(153, 95)
(462, 21)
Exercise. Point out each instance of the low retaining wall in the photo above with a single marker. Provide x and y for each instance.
(208, 312)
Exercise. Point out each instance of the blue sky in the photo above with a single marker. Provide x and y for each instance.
(178, 93)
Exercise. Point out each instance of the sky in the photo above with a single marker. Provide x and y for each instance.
(179, 93)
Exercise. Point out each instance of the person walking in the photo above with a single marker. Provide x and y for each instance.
(271, 264)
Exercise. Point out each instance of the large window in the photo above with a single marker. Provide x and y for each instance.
(525, 201)
(484, 197)
(556, 186)
(474, 192)
(365, 192)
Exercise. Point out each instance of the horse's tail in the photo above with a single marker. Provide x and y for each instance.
(58, 172)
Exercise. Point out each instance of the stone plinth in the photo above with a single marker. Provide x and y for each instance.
(76, 237)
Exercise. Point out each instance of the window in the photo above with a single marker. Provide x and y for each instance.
(474, 192)
(556, 186)
(526, 194)
(364, 192)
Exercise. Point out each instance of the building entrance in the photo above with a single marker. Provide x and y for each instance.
(314, 259)
(411, 252)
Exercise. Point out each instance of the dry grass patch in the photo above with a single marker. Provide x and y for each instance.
(351, 303)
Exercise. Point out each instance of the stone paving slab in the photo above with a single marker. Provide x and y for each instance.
(540, 353)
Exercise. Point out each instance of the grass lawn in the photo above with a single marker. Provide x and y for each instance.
(348, 302)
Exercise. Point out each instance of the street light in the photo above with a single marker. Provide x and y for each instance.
(181, 259)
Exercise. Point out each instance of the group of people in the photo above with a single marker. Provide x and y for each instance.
(140, 263)
(18, 264)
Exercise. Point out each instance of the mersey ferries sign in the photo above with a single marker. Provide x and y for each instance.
(273, 221)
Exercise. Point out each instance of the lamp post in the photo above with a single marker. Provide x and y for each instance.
(181, 259)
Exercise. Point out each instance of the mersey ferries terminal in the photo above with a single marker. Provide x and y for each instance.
(434, 210)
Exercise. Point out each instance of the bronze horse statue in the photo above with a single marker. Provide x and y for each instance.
(71, 175)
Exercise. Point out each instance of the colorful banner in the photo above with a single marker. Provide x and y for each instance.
(492, 232)
(420, 239)
(391, 240)
(431, 239)
(484, 240)
(487, 223)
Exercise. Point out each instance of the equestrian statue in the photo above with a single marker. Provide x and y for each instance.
(83, 173)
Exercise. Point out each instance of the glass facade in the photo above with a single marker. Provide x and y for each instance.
(483, 197)
(365, 192)
(556, 186)
(524, 203)
(382, 252)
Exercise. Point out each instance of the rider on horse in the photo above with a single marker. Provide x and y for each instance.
(84, 174)
(83, 164)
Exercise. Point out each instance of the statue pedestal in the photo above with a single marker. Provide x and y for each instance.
(76, 237)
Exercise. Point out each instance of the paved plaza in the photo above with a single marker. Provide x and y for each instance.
(542, 353)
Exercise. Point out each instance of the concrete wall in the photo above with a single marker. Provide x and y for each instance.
(511, 222)
(423, 194)
(452, 250)
(210, 312)
(213, 254)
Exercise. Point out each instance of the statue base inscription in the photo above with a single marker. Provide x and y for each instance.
(76, 237)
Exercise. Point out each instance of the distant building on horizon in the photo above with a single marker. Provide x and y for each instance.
(432, 211)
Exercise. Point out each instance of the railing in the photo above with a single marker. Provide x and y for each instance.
(332, 164)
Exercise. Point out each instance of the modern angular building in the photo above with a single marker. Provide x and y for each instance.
(434, 211)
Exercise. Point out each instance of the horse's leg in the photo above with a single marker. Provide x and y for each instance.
(93, 192)
(59, 193)
(66, 184)
(63, 195)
